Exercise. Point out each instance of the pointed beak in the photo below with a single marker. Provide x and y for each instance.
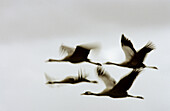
(155, 68)
(47, 61)
(82, 94)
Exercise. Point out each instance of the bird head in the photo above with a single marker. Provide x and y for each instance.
(154, 67)
(49, 60)
(140, 97)
(87, 93)
(50, 82)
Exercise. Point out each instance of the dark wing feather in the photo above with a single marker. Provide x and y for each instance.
(126, 42)
(81, 75)
(81, 52)
(107, 79)
(126, 82)
(141, 54)
(128, 48)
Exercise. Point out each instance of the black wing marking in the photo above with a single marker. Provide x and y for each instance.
(81, 76)
(81, 52)
(126, 82)
(128, 48)
(126, 42)
(141, 54)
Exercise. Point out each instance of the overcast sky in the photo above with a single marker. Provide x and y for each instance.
(31, 31)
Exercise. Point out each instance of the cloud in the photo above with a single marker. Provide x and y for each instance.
(24, 20)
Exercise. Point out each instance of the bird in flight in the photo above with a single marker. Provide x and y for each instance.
(113, 89)
(71, 79)
(134, 59)
(76, 55)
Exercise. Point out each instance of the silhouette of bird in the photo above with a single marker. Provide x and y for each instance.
(72, 79)
(113, 89)
(76, 55)
(134, 59)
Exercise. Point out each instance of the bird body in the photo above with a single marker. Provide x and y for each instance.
(118, 90)
(134, 59)
(72, 79)
(77, 55)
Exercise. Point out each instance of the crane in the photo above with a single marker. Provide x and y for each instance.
(134, 59)
(113, 89)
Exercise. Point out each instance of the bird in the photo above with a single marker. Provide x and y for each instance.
(134, 59)
(76, 55)
(72, 79)
(113, 89)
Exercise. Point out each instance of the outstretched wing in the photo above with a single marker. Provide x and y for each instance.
(141, 54)
(66, 49)
(81, 52)
(126, 82)
(108, 80)
(127, 47)
(81, 75)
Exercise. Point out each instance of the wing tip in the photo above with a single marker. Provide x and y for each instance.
(125, 41)
(150, 45)
(82, 74)
(123, 38)
(100, 70)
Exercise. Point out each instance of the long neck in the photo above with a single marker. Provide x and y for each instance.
(93, 62)
(153, 67)
(93, 81)
(139, 97)
(53, 82)
(97, 94)
(111, 63)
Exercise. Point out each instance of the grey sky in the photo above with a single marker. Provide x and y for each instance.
(31, 31)
(41, 18)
